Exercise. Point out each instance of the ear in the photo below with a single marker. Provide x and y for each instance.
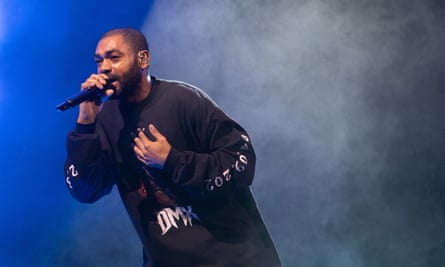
(144, 59)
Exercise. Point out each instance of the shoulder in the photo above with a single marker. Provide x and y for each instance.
(182, 90)
(186, 98)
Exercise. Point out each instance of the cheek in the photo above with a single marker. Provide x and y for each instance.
(125, 69)
(133, 73)
(117, 69)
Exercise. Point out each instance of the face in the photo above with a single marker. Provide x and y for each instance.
(116, 59)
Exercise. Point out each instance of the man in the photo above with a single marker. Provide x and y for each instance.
(182, 167)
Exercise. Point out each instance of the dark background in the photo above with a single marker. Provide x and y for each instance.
(344, 101)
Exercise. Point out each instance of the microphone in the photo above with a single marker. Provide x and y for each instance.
(85, 95)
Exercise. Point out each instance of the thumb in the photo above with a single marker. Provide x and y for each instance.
(109, 92)
(154, 131)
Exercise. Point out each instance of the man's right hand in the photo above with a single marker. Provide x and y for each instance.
(88, 109)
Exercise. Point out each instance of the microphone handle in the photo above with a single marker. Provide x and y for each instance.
(85, 95)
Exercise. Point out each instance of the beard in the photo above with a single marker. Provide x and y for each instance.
(129, 82)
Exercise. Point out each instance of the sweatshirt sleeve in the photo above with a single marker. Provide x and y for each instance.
(227, 161)
(86, 174)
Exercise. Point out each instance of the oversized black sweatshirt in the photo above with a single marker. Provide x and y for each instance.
(198, 210)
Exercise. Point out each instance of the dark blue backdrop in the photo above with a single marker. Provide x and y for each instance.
(46, 50)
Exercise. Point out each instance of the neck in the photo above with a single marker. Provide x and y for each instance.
(142, 92)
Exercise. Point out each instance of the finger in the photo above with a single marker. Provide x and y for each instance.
(142, 136)
(109, 92)
(90, 83)
(141, 159)
(97, 80)
(138, 153)
(139, 144)
(85, 85)
(101, 79)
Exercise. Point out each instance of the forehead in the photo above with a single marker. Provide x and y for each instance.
(112, 43)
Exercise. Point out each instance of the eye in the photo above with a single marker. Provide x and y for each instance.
(115, 58)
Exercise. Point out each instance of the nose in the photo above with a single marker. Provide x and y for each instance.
(104, 67)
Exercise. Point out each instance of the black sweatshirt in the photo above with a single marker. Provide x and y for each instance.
(198, 210)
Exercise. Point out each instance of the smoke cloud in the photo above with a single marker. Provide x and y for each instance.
(343, 101)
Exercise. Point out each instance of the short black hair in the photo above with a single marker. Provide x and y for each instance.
(135, 38)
